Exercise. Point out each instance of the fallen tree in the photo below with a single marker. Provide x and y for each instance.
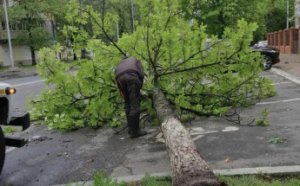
(188, 168)
(184, 67)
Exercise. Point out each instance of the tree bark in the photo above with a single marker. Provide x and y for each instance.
(33, 60)
(187, 166)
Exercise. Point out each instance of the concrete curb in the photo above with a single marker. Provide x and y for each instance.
(17, 74)
(288, 76)
(279, 170)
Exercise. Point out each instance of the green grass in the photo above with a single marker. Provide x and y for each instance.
(260, 180)
(8, 129)
(101, 180)
(156, 181)
(3, 69)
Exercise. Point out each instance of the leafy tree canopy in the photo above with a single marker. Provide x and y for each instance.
(199, 74)
(270, 15)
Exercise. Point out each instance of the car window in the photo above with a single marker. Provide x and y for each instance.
(261, 44)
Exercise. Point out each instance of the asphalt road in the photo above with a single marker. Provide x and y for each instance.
(225, 145)
(27, 87)
(53, 157)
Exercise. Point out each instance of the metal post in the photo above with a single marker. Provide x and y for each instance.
(297, 15)
(132, 15)
(287, 14)
(8, 35)
(117, 30)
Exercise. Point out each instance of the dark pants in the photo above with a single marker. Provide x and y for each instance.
(130, 86)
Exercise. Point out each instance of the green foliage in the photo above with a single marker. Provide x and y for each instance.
(199, 74)
(8, 129)
(259, 181)
(276, 15)
(86, 97)
(101, 180)
(270, 15)
(268, 90)
(263, 121)
(41, 38)
(29, 17)
(156, 181)
(186, 117)
(276, 140)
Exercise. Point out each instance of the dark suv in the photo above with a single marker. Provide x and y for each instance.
(270, 55)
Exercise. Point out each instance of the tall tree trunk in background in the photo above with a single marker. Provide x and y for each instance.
(33, 60)
(188, 168)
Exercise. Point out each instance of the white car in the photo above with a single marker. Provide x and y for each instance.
(6, 118)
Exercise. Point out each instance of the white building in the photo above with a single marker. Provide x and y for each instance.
(21, 54)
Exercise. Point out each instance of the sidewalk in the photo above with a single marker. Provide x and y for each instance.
(290, 64)
(19, 72)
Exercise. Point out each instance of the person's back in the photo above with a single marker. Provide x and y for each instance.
(129, 65)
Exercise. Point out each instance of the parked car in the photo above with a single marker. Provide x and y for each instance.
(270, 55)
(7, 118)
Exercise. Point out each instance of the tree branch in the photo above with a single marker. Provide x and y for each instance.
(149, 52)
(196, 53)
(105, 33)
(188, 69)
(200, 66)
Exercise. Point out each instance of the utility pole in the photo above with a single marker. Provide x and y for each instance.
(287, 14)
(117, 30)
(132, 15)
(8, 36)
(297, 13)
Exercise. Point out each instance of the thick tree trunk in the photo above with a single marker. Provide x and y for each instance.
(33, 60)
(188, 168)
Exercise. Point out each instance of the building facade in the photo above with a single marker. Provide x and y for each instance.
(21, 53)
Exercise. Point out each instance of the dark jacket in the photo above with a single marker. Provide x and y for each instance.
(129, 65)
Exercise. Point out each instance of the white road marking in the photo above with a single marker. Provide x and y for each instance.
(10, 149)
(197, 137)
(279, 101)
(268, 75)
(286, 75)
(284, 82)
(230, 129)
(195, 133)
(28, 83)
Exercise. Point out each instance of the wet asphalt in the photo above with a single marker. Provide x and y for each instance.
(53, 157)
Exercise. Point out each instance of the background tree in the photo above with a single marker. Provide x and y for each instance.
(270, 15)
(276, 15)
(30, 16)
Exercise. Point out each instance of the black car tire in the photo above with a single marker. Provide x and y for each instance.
(2, 150)
(267, 62)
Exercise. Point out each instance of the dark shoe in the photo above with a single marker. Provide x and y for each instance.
(138, 134)
(129, 130)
